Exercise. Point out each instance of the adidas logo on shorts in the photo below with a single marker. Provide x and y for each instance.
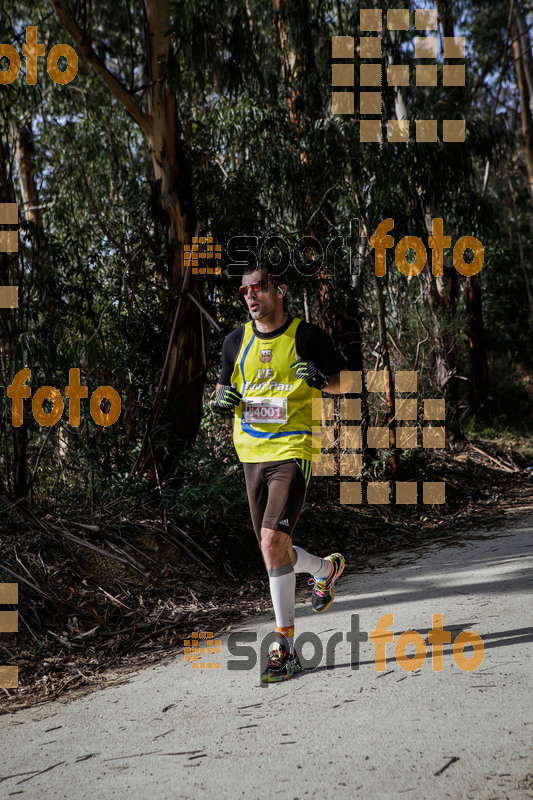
(284, 522)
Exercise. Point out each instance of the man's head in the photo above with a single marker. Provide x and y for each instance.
(263, 293)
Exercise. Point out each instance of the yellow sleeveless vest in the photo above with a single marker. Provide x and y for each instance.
(273, 422)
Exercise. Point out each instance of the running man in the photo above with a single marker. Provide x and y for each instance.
(272, 368)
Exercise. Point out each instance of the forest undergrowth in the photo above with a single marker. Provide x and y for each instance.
(106, 590)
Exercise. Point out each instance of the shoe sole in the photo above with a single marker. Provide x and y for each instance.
(268, 679)
(332, 590)
(272, 679)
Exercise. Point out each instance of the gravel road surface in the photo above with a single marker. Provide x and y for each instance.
(342, 729)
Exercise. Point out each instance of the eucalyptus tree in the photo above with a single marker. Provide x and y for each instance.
(174, 54)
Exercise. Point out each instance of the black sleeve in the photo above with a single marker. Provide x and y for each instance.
(230, 351)
(314, 344)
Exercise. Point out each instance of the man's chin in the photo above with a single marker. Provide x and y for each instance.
(261, 314)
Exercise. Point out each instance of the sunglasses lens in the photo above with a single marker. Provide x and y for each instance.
(256, 286)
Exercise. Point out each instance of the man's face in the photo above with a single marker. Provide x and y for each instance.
(263, 297)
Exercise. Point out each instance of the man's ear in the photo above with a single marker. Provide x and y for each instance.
(282, 289)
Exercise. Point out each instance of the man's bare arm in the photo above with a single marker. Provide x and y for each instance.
(334, 385)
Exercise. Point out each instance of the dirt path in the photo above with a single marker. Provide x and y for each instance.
(173, 732)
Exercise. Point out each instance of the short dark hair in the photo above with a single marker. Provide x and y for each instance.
(277, 280)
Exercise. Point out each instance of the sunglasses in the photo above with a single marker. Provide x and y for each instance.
(255, 286)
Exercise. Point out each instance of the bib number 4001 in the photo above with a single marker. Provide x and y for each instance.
(266, 410)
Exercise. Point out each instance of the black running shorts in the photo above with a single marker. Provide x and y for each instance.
(276, 493)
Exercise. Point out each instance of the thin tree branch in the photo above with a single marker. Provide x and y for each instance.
(113, 84)
(419, 344)
(202, 309)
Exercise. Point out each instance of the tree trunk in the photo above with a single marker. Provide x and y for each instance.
(344, 328)
(10, 334)
(523, 266)
(32, 213)
(479, 371)
(184, 369)
(28, 186)
(521, 49)
(296, 62)
(440, 298)
(389, 388)
(182, 379)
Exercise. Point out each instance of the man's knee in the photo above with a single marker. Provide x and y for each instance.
(275, 543)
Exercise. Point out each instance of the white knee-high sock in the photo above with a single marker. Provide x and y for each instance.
(282, 587)
(314, 565)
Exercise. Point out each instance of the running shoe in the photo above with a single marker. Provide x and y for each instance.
(323, 591)
(281, 665)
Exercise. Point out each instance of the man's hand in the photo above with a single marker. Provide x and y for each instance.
(227, 398)
(309, 372)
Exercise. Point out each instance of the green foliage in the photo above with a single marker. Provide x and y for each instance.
(92, 295)
(207, 483)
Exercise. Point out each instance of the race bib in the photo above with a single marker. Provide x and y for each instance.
(269, 410)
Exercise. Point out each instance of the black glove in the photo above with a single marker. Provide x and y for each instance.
(309, 372)
(227, 398)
